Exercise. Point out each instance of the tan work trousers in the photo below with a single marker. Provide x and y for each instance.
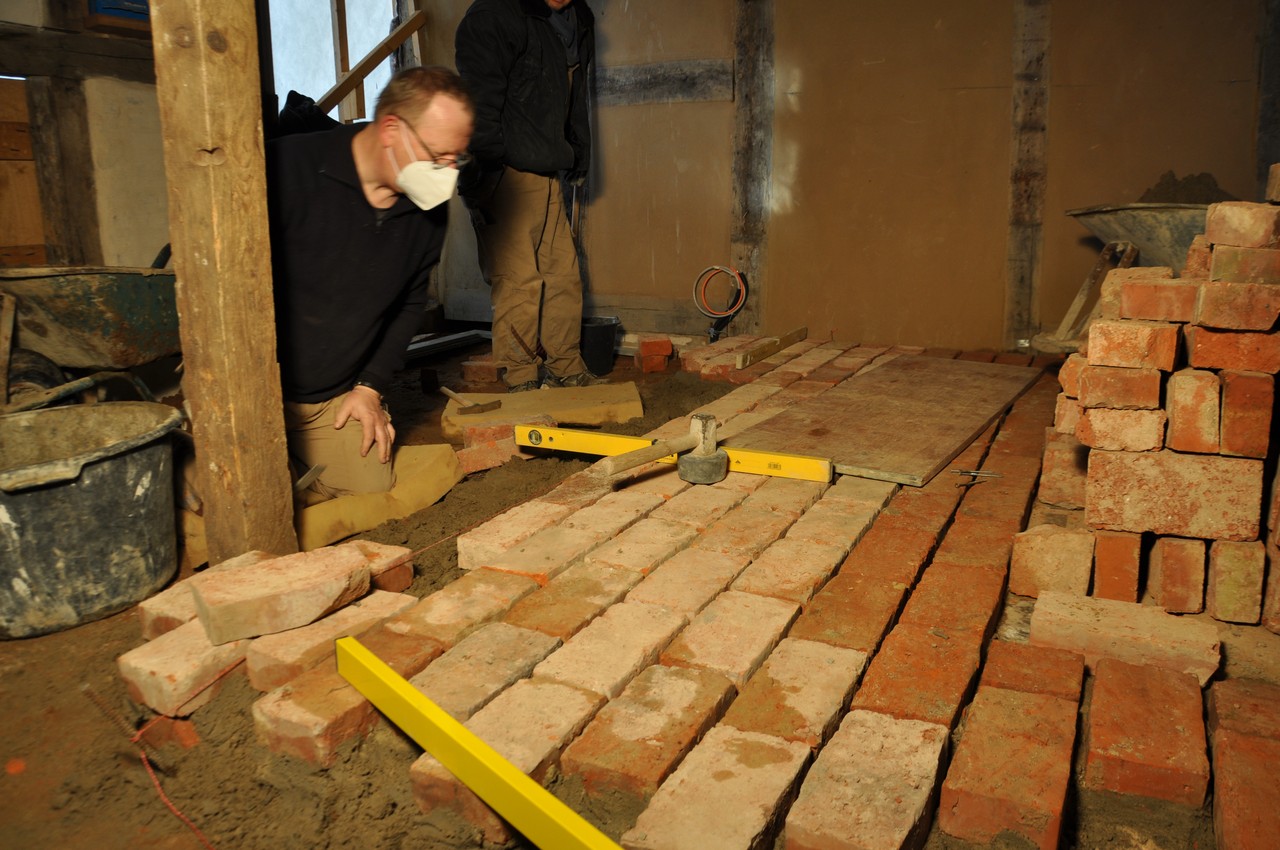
(313, 440)
(528, 256)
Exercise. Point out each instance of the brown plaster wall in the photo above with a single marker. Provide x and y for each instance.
(891, 154)
(1138, 89)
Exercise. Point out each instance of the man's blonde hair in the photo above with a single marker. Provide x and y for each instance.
(410, 92)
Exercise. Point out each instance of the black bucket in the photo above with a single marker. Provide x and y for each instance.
(87, 522)
(599, 341)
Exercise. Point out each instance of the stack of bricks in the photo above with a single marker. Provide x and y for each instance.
(273, 618)
(1169, 408)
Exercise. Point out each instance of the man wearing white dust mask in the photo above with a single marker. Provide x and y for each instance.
(358, 218)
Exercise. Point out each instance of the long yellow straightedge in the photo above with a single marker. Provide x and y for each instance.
(755, 462)
(525, 804)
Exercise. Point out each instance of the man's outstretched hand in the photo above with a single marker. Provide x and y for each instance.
(364, 405)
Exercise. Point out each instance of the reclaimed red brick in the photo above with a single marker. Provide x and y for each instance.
(1243, 224)
(1066, 414)
(1138, 634)
(1146, 734)
(1243, 351)
(1247, 401)
(651, 344)
(1199, 257)
(1176, 574)
(1049, 557)
(956, 599)
(1237, 306)
(1008, 733)
(1245, 265)
(1272, 192)
(1113, 386)
(977, 541)
(480, 370)
(171, 673)
(1063, 470)
(1158, 300)
(725, 793)
(572, 599)
(1271, 602)
(636, 740)
(1134, 344)
(919, 675)
(318, 712)
(1216, 498)
(649, 363)
(1193, 401)
(1069, 374)
(1245, 706)
(1117, 563)
(1246, 791)
(1033, 669)
(872, 785)
(799, 693)
(284, 593)
(1236, 574)
(853, 611)
(1122, 430)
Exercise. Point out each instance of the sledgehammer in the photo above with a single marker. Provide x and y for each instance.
(704, 463)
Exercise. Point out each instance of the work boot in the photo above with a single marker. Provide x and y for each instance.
(523, 387)
(582, 379)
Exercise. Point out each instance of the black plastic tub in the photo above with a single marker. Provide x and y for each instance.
(87, 522)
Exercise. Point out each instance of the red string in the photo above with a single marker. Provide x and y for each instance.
(155, 780)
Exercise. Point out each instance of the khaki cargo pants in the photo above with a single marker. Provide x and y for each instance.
(312, 440)
(528, 257)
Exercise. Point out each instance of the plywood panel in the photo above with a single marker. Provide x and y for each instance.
(903, 421)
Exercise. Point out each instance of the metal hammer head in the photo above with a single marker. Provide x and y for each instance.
(705, 464)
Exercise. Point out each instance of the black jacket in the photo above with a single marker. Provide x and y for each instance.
(350, 281)
(514, 64)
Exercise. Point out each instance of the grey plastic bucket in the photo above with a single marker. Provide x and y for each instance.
(87, 523)
(599, 342)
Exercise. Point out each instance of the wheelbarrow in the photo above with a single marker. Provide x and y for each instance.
(104, 319)
(1132, 234)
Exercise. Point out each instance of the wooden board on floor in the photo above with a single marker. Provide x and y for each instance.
(902, 422)
(566, 405)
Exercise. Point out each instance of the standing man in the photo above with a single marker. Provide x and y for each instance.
(527, 64)
(358, 218)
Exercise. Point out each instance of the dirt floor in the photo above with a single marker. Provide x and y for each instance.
(73, 779)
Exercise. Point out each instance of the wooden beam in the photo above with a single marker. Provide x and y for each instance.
(208, 86)
(1268, 146)
(32, 52)
(752, 151)
(701, 80)
(352, 106)
(362, 69)
(1027, 175)
(64, 170)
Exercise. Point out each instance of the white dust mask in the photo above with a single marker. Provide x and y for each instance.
(424, 183)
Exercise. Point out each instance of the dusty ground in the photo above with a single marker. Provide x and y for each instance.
(73, 779)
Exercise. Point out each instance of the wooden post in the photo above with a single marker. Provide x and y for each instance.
(1027, 181)
(206, 55)
(752, 152)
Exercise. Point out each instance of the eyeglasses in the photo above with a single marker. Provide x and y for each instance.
(458, 160)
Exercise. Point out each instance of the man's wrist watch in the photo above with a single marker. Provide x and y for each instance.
(368, 386)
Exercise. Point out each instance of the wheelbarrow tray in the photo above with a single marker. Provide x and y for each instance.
(94, 318)
(1161, 232)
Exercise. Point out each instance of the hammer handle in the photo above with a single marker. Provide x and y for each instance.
(645, 454)
(462, 402)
